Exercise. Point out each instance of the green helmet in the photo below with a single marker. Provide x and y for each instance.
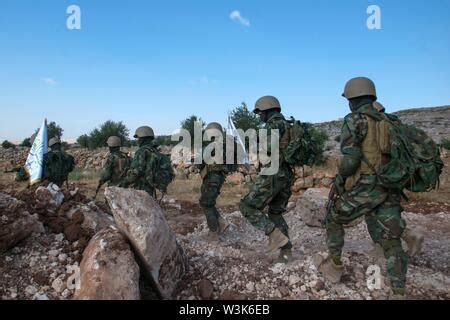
(53, 141)
(379, 107)
(214, 125)
(114, 142)
(358, 87)
(267, 103)
(144, 132)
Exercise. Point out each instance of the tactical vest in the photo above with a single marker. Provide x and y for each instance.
(375, 150)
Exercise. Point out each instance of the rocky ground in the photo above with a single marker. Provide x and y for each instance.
(237, 268)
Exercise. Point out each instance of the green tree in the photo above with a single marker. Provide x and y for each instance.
(97, 138)
(244, 119)
(53, 130)
(8, 145)
(83, 141)
(26, 143)
(188, 124)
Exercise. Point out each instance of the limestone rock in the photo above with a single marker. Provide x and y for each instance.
(108, 269)
(142, 220)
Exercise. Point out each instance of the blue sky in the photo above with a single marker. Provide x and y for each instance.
(157, 62)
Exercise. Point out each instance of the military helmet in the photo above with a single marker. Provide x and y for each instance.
(114, 142)
(358, 87)
(267, 103)
(379, 107)
(214, 125)
(144, 132)
(53, 141)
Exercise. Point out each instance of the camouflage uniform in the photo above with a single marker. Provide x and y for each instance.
(115, 166)
(57, 166)
(213, 179)
(273, 191)
(142, 168)
(365, 197)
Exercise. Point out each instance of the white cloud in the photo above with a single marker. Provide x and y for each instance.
(50, 81)
(204, 80)
(236, 16)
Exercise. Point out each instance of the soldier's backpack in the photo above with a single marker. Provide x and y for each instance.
(165, 174)
(299, 145)
(414, 158)
(121, 165)
(59, 166)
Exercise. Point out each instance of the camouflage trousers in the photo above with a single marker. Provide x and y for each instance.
(210, 191)
(382, 211)
(272, 191)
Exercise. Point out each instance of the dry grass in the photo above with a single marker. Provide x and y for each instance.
(189, 190)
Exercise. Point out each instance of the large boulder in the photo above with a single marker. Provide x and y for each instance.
(311, 206)
(16, 223)
(94, 219)
(142, 220)
(108, 270)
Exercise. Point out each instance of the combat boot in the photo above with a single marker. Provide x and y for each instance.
(223, 225)
(285, 256)
(332, 269)
(277, 240)
(397, 294)
(414, 240)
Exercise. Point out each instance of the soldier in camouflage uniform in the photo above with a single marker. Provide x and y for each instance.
(359, 192)
(116, 164)
(273, 191)
(57, 164)
(213, 178)
(143, 165)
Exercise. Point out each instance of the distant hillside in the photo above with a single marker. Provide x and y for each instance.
(434, 121)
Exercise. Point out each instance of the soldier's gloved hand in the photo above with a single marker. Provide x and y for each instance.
(339, 184)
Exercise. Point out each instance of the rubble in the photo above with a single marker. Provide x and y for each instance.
(49, 198)
(141, 219)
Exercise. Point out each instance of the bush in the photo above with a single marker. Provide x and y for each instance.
(320, 139)
(445, 143)
(26, 143)
(164, 141)
(8, 145)
(97, 138)
(244, 119)
(337, 139)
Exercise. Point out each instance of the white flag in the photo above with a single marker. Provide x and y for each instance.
(35, 160)
(235, 133)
